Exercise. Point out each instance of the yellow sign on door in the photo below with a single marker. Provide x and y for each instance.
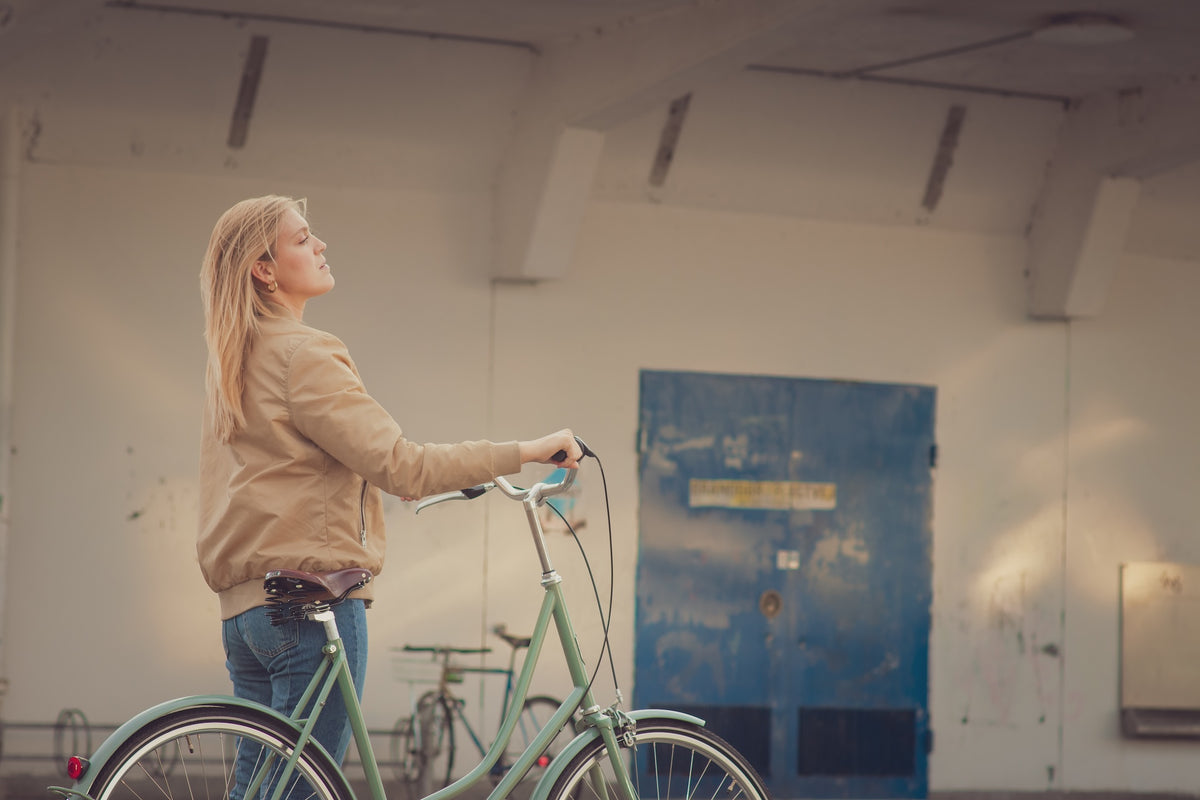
(766, 495)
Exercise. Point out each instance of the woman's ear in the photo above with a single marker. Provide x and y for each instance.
(262, 270)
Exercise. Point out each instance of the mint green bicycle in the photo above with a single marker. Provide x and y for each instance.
(188, 748)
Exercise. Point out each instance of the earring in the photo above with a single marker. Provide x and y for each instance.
(272, 286)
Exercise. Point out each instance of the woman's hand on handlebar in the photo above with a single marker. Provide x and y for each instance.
(543, 450)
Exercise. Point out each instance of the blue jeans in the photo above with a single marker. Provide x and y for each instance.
(272, 665)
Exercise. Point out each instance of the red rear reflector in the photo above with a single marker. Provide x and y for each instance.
(76, 766)
(543, 761)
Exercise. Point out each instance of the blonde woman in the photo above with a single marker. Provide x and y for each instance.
(295, 454)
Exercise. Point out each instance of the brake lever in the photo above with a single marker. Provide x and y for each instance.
(470, 493)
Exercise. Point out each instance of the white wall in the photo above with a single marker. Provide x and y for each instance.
(783, 244)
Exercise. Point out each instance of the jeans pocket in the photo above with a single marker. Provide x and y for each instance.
(266, 640)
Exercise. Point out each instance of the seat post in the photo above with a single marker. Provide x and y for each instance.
(325, 617)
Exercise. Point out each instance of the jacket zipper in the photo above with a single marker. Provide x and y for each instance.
(362, 514)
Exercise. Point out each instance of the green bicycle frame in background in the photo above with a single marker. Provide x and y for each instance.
(425, 744)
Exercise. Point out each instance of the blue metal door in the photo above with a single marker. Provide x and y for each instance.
(784, 573)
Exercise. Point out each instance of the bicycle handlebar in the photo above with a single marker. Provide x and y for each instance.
(442, 650)
(534, 494)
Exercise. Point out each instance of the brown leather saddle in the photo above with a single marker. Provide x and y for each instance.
(294, 594)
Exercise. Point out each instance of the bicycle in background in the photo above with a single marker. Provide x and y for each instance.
(427, 744)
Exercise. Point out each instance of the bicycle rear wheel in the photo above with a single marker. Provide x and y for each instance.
(193, 753)
(670, 758)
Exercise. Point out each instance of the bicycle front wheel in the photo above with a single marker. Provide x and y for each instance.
(406, 758)
(211, 752)
(670, 758)
(434, 738)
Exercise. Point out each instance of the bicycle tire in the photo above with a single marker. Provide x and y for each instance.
(673, 758)
(405, 757)
(534, 715)
(435, 742)
(192, 752)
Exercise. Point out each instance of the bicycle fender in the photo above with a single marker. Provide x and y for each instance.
(82, 787)
(576, 745)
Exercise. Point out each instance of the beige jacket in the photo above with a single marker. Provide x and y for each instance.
(299, 486)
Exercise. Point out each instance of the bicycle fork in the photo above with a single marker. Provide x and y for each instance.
(617, 731)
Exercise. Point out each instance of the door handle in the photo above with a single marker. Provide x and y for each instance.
(770, 603)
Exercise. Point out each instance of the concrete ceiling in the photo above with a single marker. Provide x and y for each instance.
(1126, 72)
(980, 45)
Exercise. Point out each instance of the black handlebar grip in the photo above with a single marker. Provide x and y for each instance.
(561, 455)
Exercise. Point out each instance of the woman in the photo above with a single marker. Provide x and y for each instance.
(295, 453)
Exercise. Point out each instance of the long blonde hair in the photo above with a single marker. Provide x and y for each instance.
(234, 300)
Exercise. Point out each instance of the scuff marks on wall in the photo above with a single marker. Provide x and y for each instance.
(32, 134)
(1013, 673)
(161, 509)
(1006, 609)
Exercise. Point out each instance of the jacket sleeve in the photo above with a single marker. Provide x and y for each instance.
(329, 405)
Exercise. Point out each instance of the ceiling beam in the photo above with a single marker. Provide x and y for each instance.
(1109, 144)
(580, 89)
